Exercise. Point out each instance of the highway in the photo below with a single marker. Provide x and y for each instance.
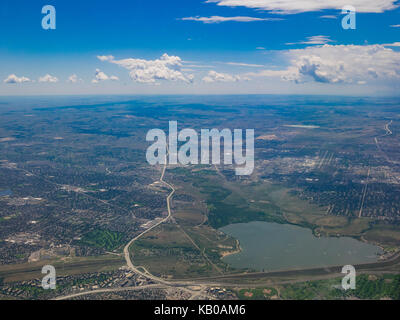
(80, 294)
(388, 131)
(160, 283)
(229, 279)
(126, 248)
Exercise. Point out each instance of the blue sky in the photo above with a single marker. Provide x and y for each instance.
(270, 46)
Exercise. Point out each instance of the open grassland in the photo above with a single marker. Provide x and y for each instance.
(191, 245)
(383, 234)
(231, 202)
(167, 252)
(183, 250)
(106, 239)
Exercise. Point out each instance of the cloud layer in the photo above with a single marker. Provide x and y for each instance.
(314, 40)
(73, 78)
(214, 76)
(298, 6)
(149, 71)
(218, 19)
(48, 78)
(339, 64)
(101, 76)
(12, 79)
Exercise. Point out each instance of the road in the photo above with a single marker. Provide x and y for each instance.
(203, 283)
(126, 249)
(364, 194)
(388, 131)
(160, 283)
(239, 280)
(80, 294)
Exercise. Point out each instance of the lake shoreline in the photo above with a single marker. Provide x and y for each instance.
(231, 253)
(291, 246)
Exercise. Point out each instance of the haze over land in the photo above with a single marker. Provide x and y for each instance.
(75, 185)
(82, 84)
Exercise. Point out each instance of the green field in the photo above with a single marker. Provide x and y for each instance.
(106, 239)
(368, 287)
(230, 202)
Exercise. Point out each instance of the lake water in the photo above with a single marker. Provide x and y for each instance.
(4, 193)
(270, 247)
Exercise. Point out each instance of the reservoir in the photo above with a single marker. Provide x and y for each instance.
(271, 247)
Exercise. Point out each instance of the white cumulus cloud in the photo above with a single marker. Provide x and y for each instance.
(219, 19)
(149, 71)
(73, 78)
(12, 78)
(214, 76)
(339, 64)
(394, 44)
(298, 6)
(101, 76)
(105, 58)
(48, 78)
